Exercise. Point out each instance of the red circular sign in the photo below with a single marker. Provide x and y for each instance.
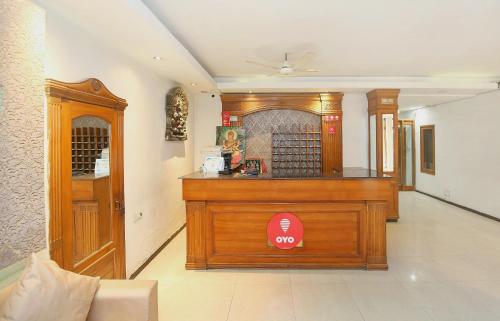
(285, 231)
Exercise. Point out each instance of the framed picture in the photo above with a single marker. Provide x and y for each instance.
(253, 165)
(232, 139)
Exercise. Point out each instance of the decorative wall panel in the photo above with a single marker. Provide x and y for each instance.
(260, 126)
(22, 209)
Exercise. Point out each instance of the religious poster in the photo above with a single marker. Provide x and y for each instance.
(232, 139)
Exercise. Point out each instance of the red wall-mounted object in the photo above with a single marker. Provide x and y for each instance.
(332, 130)
(226, 118)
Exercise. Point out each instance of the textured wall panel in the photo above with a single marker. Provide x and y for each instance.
(260, 126)
(22, 210)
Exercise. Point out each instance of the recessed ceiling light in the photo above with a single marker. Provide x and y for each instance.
(157, 58)
(249, 91)
(193, 84)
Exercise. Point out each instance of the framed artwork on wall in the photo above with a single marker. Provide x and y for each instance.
(253, 165)
(232, 139)
(427, 150)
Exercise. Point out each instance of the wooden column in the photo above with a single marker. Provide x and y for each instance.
(54, 108)
(195, 221)
(385, 102)
(376, 252)
(331, 132)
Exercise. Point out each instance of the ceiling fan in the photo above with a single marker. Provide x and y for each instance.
(286, 68)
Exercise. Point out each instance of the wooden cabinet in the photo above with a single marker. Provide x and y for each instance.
(383, 138)
(87, 228)
(343, 219)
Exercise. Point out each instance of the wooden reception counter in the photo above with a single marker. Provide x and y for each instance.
(343, 217)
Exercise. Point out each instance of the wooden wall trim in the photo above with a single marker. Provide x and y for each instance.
(155, 253)
(322, 104)
(91, 91)
(383, 100)
(491, 217)
(331, 144)
(54, 107)
(318, 103)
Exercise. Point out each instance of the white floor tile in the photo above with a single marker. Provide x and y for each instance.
(316, 276)
(444, 265)
(386, 302)
(259, 302)
(190, 301)
(456, 302)
(324, 302)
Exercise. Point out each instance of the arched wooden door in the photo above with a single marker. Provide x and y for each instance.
(87, 222)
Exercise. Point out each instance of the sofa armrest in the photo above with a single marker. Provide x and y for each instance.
(125, 300)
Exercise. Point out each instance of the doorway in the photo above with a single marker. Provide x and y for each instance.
(406, 131)
(87, 215)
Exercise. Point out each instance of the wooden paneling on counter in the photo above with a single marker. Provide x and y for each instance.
(344, 222)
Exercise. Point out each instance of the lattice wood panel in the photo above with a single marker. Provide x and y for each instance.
(87, 144)
(297, 152)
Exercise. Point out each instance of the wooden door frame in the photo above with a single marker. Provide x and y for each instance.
(431, 171)
(92, 92)
(403, 154)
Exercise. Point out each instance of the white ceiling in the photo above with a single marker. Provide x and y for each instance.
(347, 37)
(131, 28)
(435, 51)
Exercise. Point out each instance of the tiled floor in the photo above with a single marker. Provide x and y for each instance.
(444, 265)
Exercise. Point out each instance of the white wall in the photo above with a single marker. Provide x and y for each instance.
(355, 130)
(355, 127)
(207, 116)
(152, 166)
(467, 152)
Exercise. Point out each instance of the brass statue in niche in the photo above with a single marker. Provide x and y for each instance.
(177, 113)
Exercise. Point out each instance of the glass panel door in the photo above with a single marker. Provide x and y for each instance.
(409, 157)
(388, 142)
(373, 142)
(91, 186)
(407, 154)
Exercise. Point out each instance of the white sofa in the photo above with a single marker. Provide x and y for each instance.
(119, 300)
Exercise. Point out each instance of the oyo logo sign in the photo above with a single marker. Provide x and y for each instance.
(285, 231)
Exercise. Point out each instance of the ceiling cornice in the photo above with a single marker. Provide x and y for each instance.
(347, 84)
